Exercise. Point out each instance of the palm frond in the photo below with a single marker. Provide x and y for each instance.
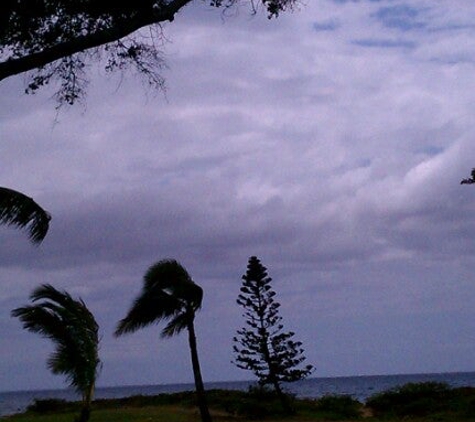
(22, 211)
(168, 293)
(172, 278)
(165, 274)
(148, 308)
(72, 328)
(48, 292)
(176, 325)
(40, 320)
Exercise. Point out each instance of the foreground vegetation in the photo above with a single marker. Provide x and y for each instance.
(421, 402)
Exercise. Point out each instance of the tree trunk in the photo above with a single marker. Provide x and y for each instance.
(85, 414)
(200, 390)
(284, 399)
(86, 405)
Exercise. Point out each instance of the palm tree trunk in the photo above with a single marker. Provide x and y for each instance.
(200, 390)
(85, 414)
(86, 405)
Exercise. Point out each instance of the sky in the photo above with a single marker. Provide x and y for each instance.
(330, 143)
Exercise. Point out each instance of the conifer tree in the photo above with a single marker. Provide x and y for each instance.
(262, 346)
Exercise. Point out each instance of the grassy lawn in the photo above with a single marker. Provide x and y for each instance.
(166, 413)
(162, 413)
(173, 413)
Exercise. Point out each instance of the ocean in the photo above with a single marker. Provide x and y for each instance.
(359, 387)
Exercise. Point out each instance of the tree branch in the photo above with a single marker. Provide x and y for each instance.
(166, 12)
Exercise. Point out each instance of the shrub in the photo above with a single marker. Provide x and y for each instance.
(255, 404)
(51, 405)
(339, 407)
(412, 399)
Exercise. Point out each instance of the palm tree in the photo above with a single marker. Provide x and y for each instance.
(74, 331)
(169, 294)
(20, 210)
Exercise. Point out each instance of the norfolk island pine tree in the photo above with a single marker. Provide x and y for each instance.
(262, 346)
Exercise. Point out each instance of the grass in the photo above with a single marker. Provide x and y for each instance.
(161, 413)
(423, 402)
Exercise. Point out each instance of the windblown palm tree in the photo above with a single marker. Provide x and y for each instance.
(169, 294)
(20, 210)
(74, 331)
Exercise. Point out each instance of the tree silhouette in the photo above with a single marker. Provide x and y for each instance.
(58, 38)
(262, 346)
(73, 329)
(169, 294)
(470, 180)
(20, 210)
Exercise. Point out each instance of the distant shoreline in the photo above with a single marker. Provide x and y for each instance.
(249, 381)
(359, 387)
(412, 401)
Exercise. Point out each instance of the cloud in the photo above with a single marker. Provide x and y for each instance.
(401, 16)
(329, 25)
(385, 43)
(338, 165)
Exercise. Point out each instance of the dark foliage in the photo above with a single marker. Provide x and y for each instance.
(424, 401)
(258, 403)
(252, 404)
(52, 406)
(20, 210)
(262, 346)
(337, 407)
(60, 38)
(74, 331)
(469, 180)
(410, 399)
(262, 404)
(169, 294)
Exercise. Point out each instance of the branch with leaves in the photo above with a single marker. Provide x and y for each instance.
(469, 180)
(57, 38)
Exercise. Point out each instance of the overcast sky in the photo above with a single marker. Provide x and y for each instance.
(330, 143)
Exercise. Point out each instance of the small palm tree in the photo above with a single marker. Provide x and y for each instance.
(169, 294)
(20, 210)
(74, 331)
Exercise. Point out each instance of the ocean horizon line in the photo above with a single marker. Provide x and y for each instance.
(237, 381)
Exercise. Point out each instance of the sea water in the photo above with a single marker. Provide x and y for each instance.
(359, 387)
